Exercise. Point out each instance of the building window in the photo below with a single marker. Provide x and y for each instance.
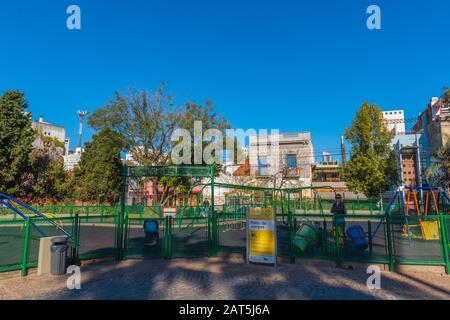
(291, 161)
(225, 156)
(262, 166)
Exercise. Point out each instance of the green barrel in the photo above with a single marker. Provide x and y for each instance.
(305, 234)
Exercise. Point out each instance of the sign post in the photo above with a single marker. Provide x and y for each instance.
(261, 235)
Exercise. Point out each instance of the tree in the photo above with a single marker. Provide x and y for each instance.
(99, 177)
(145, 121)
(372, 167)
(45, 180)
(438, 173)
(446, 94)
(16, 137)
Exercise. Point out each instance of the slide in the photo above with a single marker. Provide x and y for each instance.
(16, 206)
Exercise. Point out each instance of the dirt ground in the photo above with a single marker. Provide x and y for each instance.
(223, 278)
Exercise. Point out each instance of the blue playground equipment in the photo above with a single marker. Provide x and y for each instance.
(358, 237)
(442, 197)
(11, 203)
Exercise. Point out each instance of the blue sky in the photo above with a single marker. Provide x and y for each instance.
(291, 65)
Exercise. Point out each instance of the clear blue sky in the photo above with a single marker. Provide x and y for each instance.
(293, 65)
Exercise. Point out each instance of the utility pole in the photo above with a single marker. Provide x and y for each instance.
(81, 115)
(344, 157)
(419, 168)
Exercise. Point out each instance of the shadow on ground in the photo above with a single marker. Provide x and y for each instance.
(219, 278)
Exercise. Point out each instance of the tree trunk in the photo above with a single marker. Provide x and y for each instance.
(155, 191)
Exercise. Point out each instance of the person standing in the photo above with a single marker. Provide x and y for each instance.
(205, 208)
(339, 208)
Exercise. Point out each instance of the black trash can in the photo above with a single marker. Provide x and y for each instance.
(151, 230)
(59, 255)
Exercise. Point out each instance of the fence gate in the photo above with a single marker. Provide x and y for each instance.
(231, 229)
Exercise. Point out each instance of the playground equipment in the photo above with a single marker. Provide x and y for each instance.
(358, 237)
(210, 237)
(306, 233)
(151, 230)
(428, 229)
(340, 235)
(142, 172)
(20, 208)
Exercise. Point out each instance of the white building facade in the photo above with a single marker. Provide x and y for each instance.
(395, 121)
(282, 158)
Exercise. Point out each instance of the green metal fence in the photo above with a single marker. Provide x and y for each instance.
(19, 239)
(332, 245)
(135, 243)
(104, 212)
(12, 237)
(232, 232)
(194, 234)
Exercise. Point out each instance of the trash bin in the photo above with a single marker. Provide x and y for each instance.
(59, 255)
(151, 230)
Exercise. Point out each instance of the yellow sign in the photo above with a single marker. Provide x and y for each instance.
(261, 235)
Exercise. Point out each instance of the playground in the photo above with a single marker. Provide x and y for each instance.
(410, 228)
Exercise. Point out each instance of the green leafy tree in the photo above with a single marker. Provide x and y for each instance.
(373, 166)
(146, 120)
(446, 94)
(16, 137)
(45, 180)
(438, 173)
(99, 177)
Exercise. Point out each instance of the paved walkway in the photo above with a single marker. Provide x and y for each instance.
(219, 278)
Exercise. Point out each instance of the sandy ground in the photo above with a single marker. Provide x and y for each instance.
(223, 278)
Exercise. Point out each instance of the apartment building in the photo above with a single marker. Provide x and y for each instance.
(282, 158)
(434, 123)
(395, 121)
(49, 131)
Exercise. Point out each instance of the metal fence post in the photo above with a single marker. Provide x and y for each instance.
(444, 241)
(208, 221)
(337, 247)
(26, 243)
(125, 239)
(369, 236)
(389, 241)
(292, 229)
(213, 213)
(75, 239)
(170, 237)
(166, 235)
(121, 216)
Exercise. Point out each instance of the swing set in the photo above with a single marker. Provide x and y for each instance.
(428, 229)
(414, 210)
